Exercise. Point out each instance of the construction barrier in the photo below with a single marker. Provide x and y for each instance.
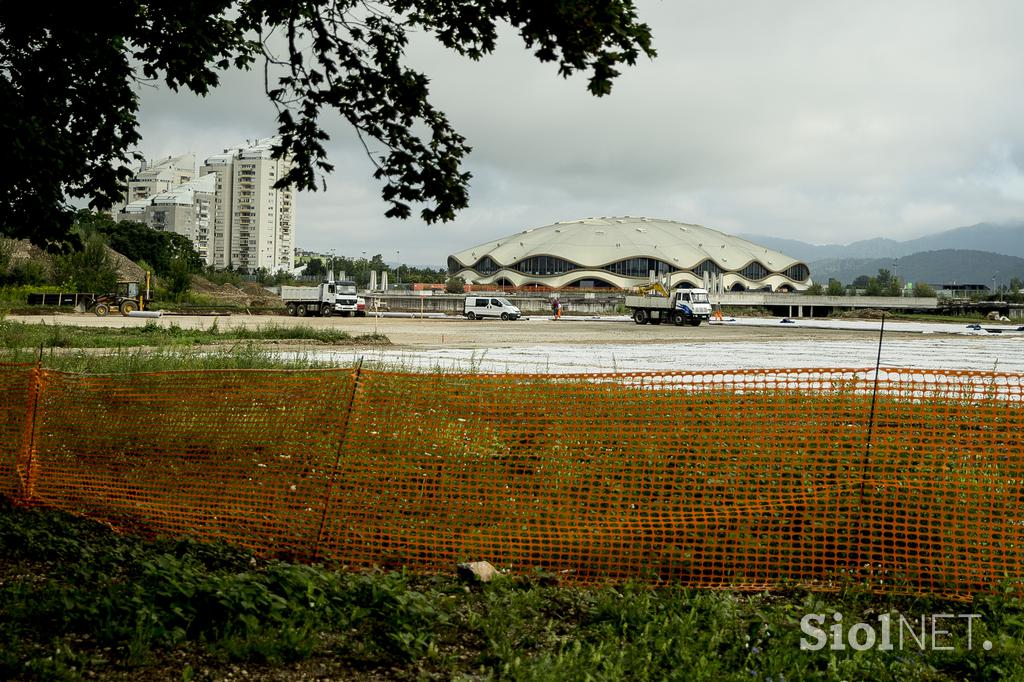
(908, 480)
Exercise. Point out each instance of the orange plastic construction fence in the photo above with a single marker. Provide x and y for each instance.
(911, 480)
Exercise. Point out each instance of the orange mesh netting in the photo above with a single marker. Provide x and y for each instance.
(241, 456)
(740, 479)
(17, 386)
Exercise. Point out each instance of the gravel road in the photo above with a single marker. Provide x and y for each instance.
(616, 344)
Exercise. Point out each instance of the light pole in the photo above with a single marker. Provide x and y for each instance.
(398, 266)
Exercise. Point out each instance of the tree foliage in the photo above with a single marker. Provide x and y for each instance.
(138, 243)
(835, 288)
(923, 290)
(315, 268)
(178, 279)
(885, 284)
(455, 285)
(88, 270)
(814, 290)
(358, 270)
(67, 77)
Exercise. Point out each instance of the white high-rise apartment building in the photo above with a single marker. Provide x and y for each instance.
(154, 177)
(252, 223)
(187, 209)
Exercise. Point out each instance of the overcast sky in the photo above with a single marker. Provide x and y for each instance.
(822, 121)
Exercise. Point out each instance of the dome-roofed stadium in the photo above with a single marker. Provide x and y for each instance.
(619, 253)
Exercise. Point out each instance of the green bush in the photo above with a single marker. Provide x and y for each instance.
(88, 270)
(178, 279)
(923, 290)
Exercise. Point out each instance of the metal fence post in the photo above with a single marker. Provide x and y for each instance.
(27, 463)
(337, 462)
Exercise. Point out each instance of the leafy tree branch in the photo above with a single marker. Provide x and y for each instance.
(69, 124)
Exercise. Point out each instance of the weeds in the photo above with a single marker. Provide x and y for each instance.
(77, 600)
(243, 355)
(19, 335)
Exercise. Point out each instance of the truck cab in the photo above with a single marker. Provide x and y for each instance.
(693, 302)
(682, 306)
(479, 307)
(346, 301)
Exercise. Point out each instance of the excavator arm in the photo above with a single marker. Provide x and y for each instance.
(653, 286)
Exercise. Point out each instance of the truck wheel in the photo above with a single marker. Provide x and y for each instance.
(471, 315)
(102, 309)
(678, 318)
(291, 309)
(640, 316)
(128, 307)
(326, 310)
(694, 321)
(504, 316)
(303, 311)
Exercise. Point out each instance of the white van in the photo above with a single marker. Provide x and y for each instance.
(489, 306)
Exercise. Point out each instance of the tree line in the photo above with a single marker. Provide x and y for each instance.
(885, 283)
(358, 270)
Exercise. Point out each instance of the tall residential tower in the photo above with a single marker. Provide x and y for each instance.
(251, 222)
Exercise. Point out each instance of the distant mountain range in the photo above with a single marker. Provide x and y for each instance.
(973, 254)
(948, 266)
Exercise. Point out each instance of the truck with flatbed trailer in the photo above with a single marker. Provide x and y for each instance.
(324, 300)
(653, 304)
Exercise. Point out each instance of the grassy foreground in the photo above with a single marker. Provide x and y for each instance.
(17, 335)
(156, 348)
(79, 601)
(242, 355)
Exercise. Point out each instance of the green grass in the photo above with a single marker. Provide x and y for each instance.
(18, 295)
(78, 601)
(240, 355)
(20, 335)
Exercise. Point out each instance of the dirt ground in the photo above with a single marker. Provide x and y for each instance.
(456, 332)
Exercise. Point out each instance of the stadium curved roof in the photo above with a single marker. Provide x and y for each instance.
(621, 252)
